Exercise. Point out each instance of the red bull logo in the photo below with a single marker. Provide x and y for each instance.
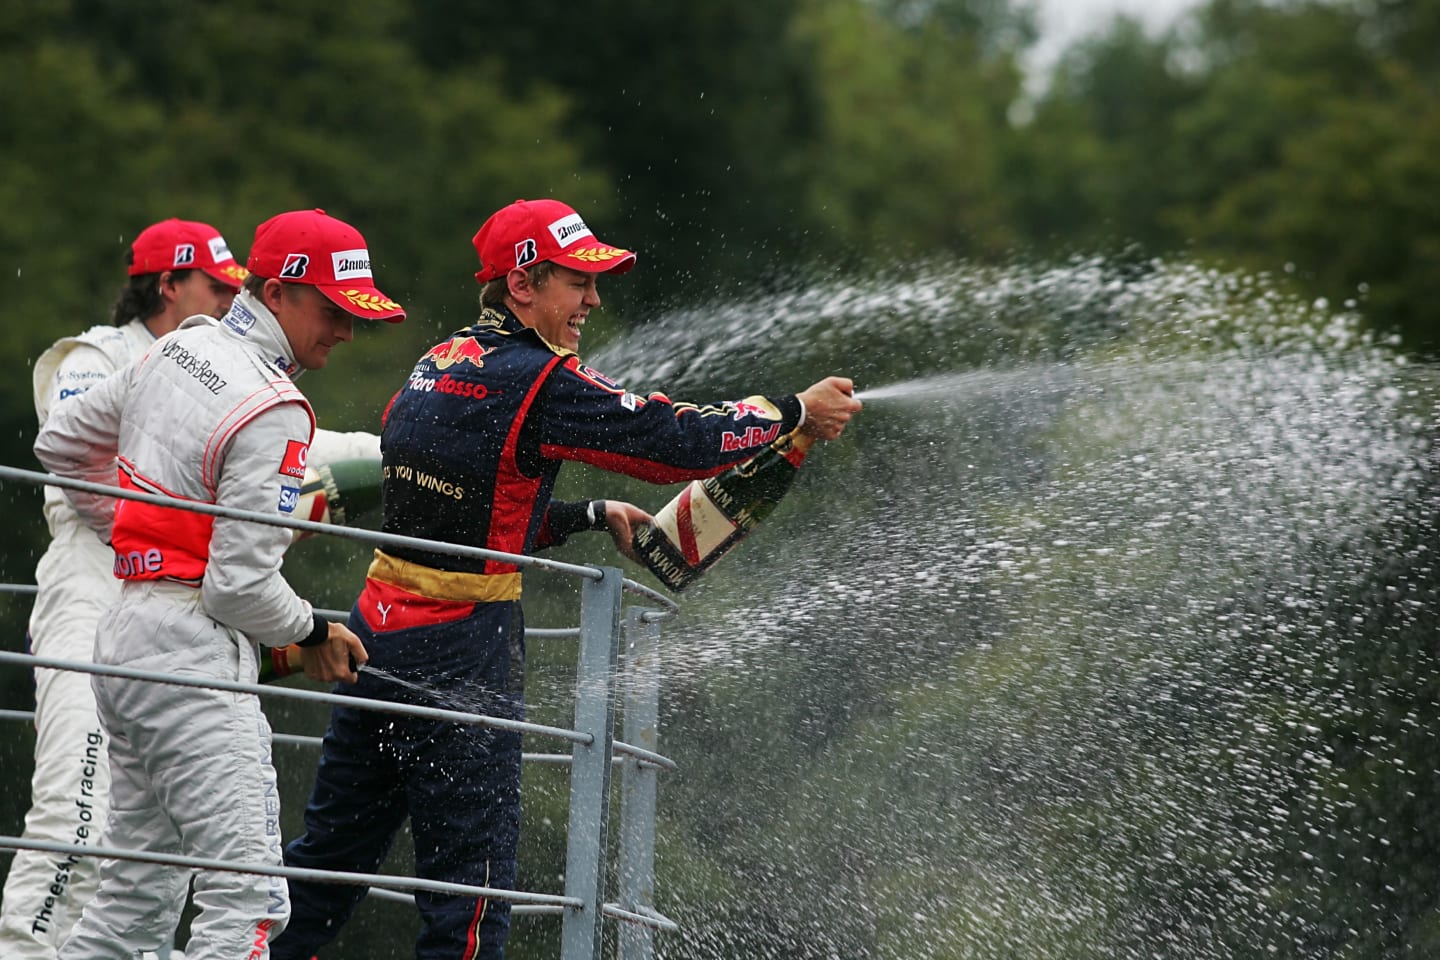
(741, 409)
(753, 437)
(457, 350)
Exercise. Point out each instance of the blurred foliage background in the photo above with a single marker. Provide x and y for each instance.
(729, 143)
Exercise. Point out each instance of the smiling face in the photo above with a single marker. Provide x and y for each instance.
(556, 306)
(312, 324)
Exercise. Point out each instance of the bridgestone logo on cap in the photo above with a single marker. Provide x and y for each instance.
(569, 229)
(525, 252)
(295, 266)
(184, 254)
(350, 264)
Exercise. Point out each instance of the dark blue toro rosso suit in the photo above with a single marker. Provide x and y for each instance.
(472, 445)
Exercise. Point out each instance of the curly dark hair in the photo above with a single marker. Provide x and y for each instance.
(139, 298)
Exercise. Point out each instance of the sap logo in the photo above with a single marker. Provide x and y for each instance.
(754, 437)
(525, 252)
(289, 499)
(184, 254)
(135, 563)
(349, 264)
(295, 266)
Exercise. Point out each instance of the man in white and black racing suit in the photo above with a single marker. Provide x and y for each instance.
(210, 414)
(177, 269)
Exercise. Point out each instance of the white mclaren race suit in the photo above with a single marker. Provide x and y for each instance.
(209, 414)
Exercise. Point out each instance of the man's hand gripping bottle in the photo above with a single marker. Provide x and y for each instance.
(708, 517)
(339, 492)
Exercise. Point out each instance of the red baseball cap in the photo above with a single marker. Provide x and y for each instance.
(530, 231)
(308, 246)
(184, 245)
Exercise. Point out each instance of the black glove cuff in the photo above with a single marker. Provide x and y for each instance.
(595, 513)
(318, 633)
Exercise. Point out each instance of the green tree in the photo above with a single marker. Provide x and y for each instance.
(1097, 167)
(912, 108)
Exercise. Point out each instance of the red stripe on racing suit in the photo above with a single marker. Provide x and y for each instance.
(152, 542)
(384, 606)
(515, 495)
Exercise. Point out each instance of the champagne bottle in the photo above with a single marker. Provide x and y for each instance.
(709, 517)
(277, 662)
(339, 492)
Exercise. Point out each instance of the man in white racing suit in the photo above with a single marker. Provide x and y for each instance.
(209, 414)
(176, 268)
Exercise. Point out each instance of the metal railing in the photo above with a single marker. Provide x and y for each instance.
(594, 750)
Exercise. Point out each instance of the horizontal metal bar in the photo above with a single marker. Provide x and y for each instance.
(560, 632)
(346, 533)
(291, 693)
(340, 616)
(639, 589)
(643, 755)
(378, 880)
(519, 909)
(644, 916)
(531, 633)
(543, 759)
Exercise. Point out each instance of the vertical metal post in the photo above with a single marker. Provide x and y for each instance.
(587, 834)
(638, 782)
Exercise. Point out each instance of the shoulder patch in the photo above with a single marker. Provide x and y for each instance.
(293, 464)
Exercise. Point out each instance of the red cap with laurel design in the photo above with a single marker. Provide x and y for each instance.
(184, 245)
(530, 231)
(308, 246)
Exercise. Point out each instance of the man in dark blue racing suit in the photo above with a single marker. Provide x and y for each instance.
(472, 444)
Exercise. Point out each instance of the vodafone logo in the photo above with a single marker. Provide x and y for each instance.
(296, 454)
